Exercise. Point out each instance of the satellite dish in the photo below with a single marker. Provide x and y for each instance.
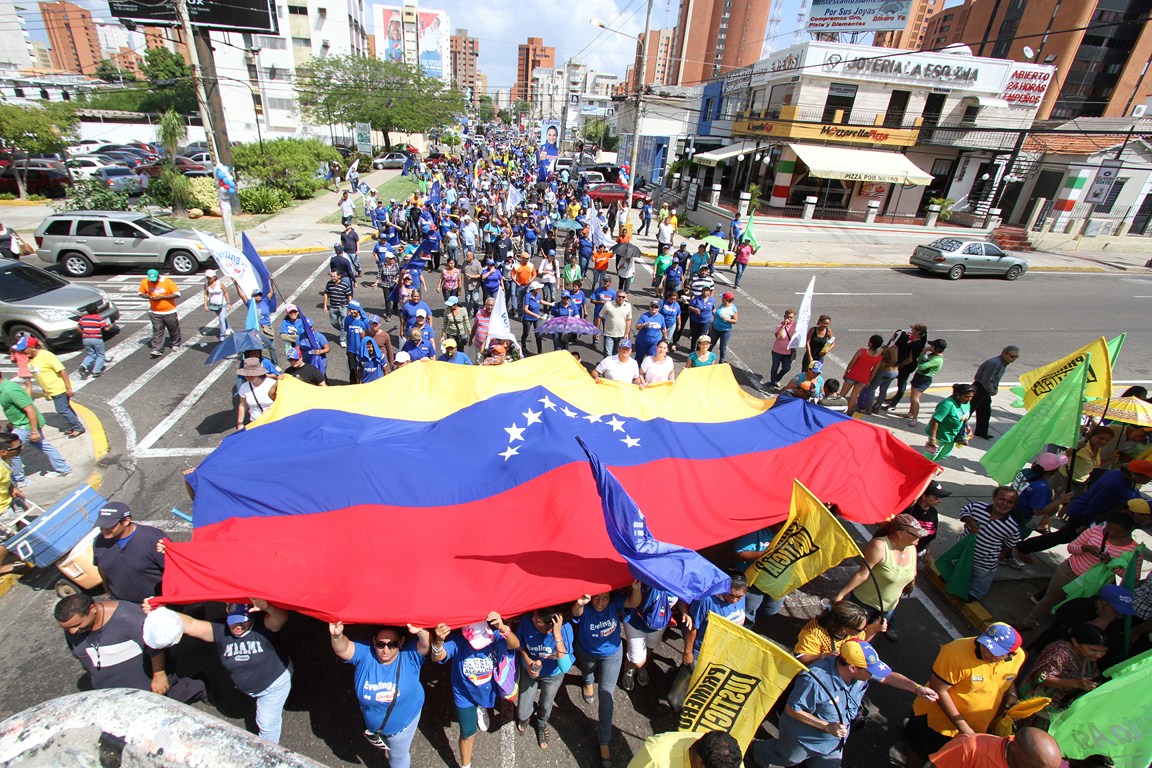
(1029, 53)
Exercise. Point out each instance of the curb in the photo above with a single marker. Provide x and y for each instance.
(899, 265)
(7, 581)
(99, 442)
(302, 250)
(974, 611)
(21, 203)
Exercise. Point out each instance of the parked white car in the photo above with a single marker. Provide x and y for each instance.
(86, 166)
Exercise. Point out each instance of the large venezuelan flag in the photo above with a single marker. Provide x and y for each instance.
(442, 492)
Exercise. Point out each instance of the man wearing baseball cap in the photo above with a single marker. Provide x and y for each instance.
(1111, 491)
(126, 554)
(925, 512)
(1107, 610)
(305, 372)
(974, 678)
(451, 354)
(161, 295)
(825, 700)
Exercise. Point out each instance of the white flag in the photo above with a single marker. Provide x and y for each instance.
(351, 169)
(232, 263)
(514, 198)
(596, 228)
(499, 326)
(803, 318)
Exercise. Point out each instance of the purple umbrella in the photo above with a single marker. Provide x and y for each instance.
(565, 324)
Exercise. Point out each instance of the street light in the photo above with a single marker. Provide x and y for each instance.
(639, 105)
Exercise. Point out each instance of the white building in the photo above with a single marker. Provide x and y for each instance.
(258, 72)
(416, 37)
(24, 89)
(14, 39)
(572, 92)
(114, 37)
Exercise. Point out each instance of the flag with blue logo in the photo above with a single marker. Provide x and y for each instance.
(409, 163)
(681, 571)
(260, 269)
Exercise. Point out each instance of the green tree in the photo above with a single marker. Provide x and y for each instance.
(173, 133)
(107, 71)
(286, 164)
(487, 109)
(389, 95)
(168, 87)
(163, 64)
(46, 127)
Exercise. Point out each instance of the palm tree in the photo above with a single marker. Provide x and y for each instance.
(173, 133)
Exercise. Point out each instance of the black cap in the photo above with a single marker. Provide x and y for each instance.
(939, 344)
(935, 489)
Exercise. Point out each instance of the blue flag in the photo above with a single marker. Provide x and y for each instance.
(408, 163)
(319, 361)
(434, 193)
(683, 572)
(261, 270)
(252, 319)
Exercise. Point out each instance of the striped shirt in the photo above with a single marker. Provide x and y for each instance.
(92, 326)
(994, 534)
(338, 293)
(1094, 537)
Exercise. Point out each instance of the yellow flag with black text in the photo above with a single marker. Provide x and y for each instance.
(738, 677)
(811, 542)
(1038, 382)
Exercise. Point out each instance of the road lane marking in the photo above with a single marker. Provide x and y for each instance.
(801, 293)
(193, 397)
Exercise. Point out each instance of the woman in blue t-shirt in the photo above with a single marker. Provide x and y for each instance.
(475, 653)
(545, 655)
(600, 651)
(643, 630)
(388, 687)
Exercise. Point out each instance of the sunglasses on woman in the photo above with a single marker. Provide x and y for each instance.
(386, 644)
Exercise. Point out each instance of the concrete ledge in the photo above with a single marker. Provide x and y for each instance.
(976, 614)
(24, 202)
(99, 438)
(7, 581)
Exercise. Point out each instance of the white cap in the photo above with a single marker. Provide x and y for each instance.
(209, 273)
(403, 357)
(163, 628)
(421, 312)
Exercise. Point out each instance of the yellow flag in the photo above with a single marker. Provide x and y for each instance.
(811, 542)
(1039, 382)
(738, 677)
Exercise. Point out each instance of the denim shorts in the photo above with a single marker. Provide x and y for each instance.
(921, 382)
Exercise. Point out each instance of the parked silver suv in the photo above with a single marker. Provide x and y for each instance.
(37, 303)
(81, 240)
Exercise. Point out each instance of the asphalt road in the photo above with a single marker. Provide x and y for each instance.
(164, 416)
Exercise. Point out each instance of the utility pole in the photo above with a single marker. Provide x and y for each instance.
(202, 100)
(639, 113)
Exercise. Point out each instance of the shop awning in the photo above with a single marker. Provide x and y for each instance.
(860, 165)
(716, 156)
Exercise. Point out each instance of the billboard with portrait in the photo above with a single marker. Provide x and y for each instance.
(858, 15)
(433, 32)
(390, 42)
(549, 148)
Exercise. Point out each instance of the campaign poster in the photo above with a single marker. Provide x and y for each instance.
(432, 34)
(549, 148)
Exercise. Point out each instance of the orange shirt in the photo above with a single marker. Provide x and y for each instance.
(161, 295)
(980, 751)
(601, 259)
(524, 273)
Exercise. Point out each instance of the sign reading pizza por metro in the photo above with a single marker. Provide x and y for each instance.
(224, 15)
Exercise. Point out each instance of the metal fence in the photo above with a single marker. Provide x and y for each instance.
(1084, 217)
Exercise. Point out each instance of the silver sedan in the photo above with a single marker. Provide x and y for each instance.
(956, 257)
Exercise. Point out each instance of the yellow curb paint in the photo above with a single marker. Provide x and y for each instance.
(7, 581)
(974, 612)
(23, 202)
(99, 437)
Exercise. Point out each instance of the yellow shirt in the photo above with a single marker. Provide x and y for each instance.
(5, 486)
(47, 370)
(978, 686)
(665, 750)
(1086, 460)
(816, 640)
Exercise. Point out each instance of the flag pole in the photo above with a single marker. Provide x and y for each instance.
(1076, 437)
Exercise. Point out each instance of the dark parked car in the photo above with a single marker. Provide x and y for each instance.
(183, 164)
(39, 181)
(617, 193)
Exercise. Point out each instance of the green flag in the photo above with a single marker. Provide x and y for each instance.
(1114, 347)
(750, 233)
(1111, 720)
(1054, 419)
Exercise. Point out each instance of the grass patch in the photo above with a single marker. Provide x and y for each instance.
(398, 187)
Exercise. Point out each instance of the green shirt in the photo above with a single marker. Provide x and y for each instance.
(929, 365)
(13, 399)
(663, 261)
(950, 415)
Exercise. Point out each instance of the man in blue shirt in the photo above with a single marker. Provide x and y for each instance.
(451, 355)
(646, 220)
(701, 310)
(729, 605)
(824, 702)
(601, 295)
(735, 232)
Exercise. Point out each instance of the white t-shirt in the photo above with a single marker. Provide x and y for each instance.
(655, 372)
(613, 369)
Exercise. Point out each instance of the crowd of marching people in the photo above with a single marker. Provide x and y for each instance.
(496, 236)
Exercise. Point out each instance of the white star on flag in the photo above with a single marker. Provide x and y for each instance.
(593, 419)
(532, 416)
(547, 403)
(514, 433)
(510, 452)
(616, 424)
(568, 412)
(631, 442)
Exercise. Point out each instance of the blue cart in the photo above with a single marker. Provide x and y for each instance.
(49, 535)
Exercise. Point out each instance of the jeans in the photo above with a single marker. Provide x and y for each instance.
(981, 582)
(905, 373)
(355, 259)
(781, 364)
(695, 331)
(549, 291)
(612, 344)
(473, 297)
(529, 327)
(604, 670)
(270, 707)
(645, 227)
(584, 262)
(54, 457)
(739, 273)
(549, 687)
(521, 292)
(876, 390)
(400, 745)
(754, 600)
(787, 751)
(624, 284)
(161, 323)
(222, 319)
(720, 342)
(64, 408)
(93, 355)
(336, 316)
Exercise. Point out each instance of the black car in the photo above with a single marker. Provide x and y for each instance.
(38, 181)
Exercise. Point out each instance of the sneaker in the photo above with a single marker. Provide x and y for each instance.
(344, 344)
(1015, 562)
(628, 679)
(97, 375)
(375, 739)
(228, 332)
(155, 353)
(482, 720)
(642, 676)
(83, 372)
(54, 473)
(891, 635)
